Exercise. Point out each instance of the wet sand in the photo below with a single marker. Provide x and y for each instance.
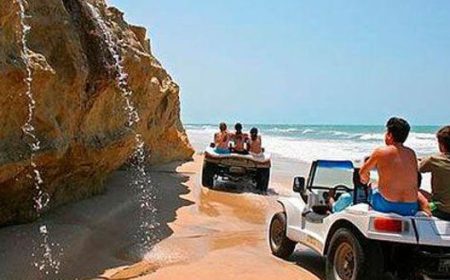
(202, 233)
(222, 235)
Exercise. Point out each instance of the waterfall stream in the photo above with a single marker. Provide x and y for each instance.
(142, 181)
(44, 258)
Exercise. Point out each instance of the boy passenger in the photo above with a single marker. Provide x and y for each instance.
(439, 167)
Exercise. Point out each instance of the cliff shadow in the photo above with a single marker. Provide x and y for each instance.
(96, 234)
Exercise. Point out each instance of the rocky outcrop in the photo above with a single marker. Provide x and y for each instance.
(79, 116)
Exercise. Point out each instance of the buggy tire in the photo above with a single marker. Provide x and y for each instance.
(351, 256)
(208, 173)
(262, 179)
(280, 245)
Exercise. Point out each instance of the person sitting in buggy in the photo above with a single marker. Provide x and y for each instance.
(255, 142)
(240, 140)
(222, 140)
(360, 194)
(396, 164)
(397, 189)
(437, 203)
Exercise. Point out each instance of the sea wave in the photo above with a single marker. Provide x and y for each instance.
(372, 136)
(423, 135)
(308, 130)
(413, 135)
(308, 144)
(325, 144)
(310, 150)
(284, 130)
(288, 130)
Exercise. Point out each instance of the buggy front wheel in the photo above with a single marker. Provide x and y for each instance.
(351, 256)
(280, 244)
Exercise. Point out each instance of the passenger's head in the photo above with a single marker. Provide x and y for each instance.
(443, 137)
(238, 127)
(254, 132)
(223, 126)
(397, 131)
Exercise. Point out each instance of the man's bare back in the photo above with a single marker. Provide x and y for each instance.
(398, 182)
(222, 139)
(255, 142)
(397, 171)
(239, 141)
(256, 145)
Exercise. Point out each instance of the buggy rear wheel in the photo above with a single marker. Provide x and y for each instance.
(208, 173)
(351, 256)
(262, 179)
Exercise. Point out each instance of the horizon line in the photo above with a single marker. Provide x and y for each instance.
(309, 124)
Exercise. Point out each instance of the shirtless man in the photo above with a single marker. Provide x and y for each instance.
(397, 169)
(255, 142)
(239, 140)
(222, 139)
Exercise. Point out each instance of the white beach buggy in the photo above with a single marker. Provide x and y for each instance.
(236, 167)
(358, 242)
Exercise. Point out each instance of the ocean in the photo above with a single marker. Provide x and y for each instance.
(311, 142)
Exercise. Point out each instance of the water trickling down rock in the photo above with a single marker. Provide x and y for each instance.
(142, 180)
(79, 108)
(44, 257)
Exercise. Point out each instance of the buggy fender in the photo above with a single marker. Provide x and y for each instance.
(359, 219)
(293, 207)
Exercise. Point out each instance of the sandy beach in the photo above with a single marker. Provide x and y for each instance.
(201, 233)
(104, 125)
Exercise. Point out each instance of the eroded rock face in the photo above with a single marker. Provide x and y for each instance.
(79, 117)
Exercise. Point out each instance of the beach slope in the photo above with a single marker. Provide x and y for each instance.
(200, 233)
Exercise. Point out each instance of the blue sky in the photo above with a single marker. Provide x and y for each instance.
(305, 62)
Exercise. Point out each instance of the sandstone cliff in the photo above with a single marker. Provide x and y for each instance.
(79, 116)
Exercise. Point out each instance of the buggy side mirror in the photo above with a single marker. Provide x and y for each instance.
(299, 185)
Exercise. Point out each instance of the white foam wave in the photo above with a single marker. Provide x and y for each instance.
(309, 150)
(342, 134)
(413, 136)
(353, 146)
(286, 130)
(423, 135)
(372, 136)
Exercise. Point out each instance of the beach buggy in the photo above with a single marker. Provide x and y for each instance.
(358, 242)
(236, 167)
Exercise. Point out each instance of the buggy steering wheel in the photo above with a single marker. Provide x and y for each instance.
(341, 188)
(333, 191)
